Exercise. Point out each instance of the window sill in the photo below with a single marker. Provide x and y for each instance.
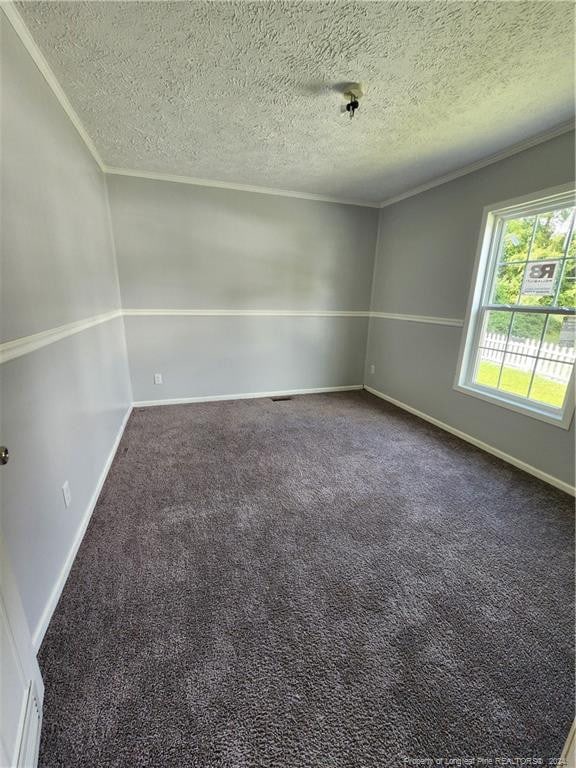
(561, 419)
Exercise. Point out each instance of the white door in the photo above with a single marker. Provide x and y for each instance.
(21, 687)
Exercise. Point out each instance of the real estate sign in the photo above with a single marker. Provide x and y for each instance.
(540, 277)
(568, 331)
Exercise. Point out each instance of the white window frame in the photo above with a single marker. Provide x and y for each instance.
(493, 219)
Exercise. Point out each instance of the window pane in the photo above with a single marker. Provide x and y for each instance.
(536, 301)
(550, 236)
(558, 341)
(516, 374)
(488, 364)
(550, 382)
(526, 333)
(553, 329)
(572, 247)
(567, 335)
(507, 284)
(567, 295)
(496, 325)
(516, 238)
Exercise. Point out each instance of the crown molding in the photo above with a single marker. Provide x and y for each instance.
(15, 19)
(464, 171)
(153, 175)
(514, 149)
(31, 46)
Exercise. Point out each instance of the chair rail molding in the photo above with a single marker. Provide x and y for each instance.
(454, 321)
(244, 313)
(22, 346)
(9, 350)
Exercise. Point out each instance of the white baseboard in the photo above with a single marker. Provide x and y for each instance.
(42, 625)
(555, 481)
(244, 396)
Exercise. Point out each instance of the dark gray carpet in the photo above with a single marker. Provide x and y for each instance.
(324, 582)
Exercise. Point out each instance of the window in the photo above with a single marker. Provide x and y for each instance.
(518, 347)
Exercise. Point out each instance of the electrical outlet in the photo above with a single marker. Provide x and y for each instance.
(66, 492)
(372, 370)
(157, 378)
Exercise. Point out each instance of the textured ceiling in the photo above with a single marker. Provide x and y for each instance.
(245, 92)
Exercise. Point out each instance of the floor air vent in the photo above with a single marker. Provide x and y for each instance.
(280, 399)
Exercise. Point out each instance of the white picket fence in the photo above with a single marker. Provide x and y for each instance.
(516, 352)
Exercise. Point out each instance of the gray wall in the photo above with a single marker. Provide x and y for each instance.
(426, 251)
(62, 405)
(182, 247)
(202, 356)
(185, 247)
